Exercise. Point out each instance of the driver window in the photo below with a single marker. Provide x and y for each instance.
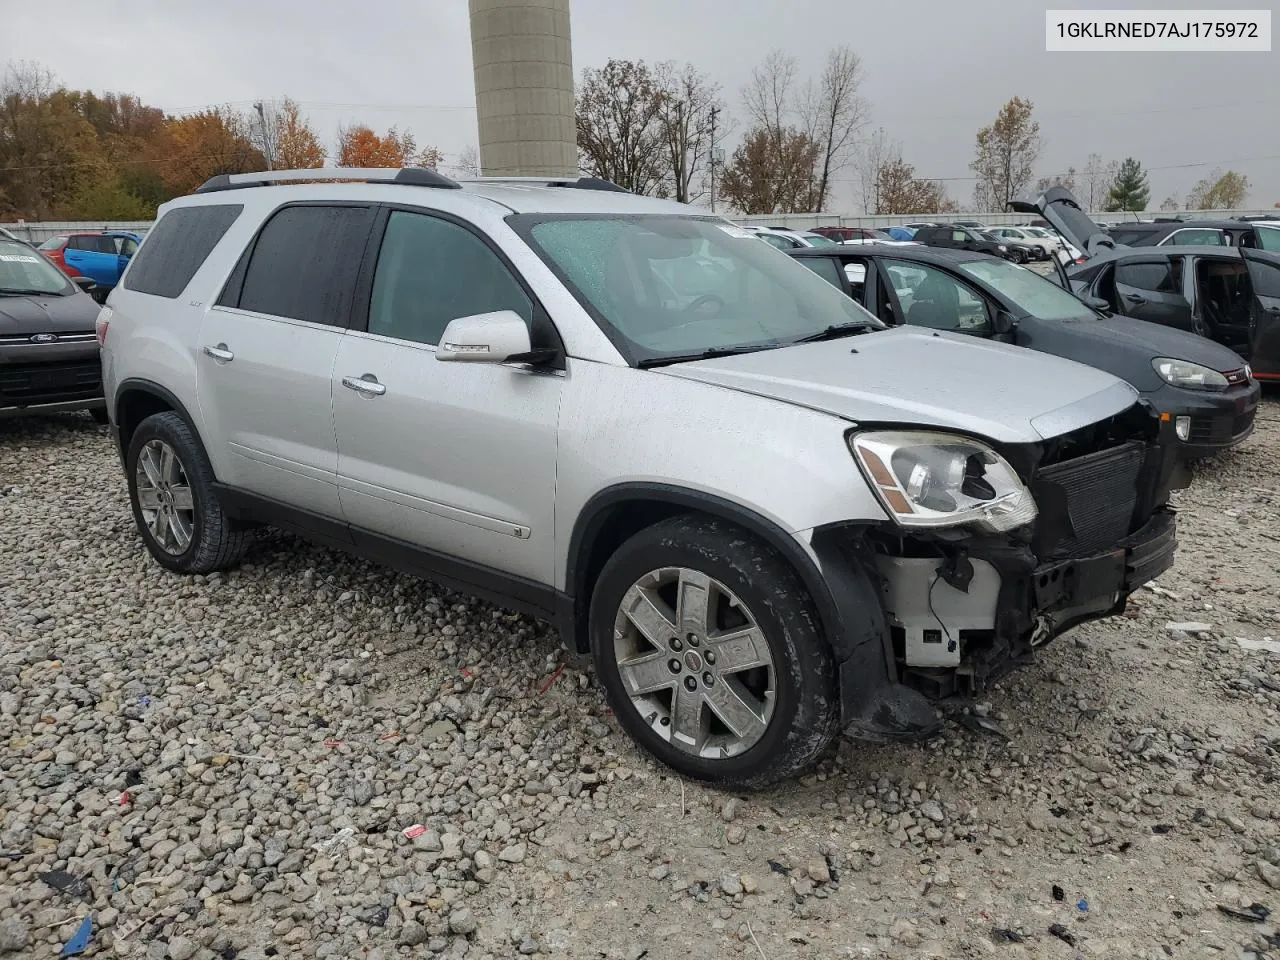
(1268, 238)
(431, 271)
(959, 236)
(934, 299)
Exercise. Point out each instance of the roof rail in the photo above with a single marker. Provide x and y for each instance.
(412, 176)
(575, 183)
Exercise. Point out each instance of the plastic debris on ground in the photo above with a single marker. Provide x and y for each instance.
(1254, 913)
(1161, 828)
(1059, 931)
(1058, 893)
(1266, 643)
(1003, 935)
(80, 942)
(1082, 905)
(342, 837)
(64, 882)
(979, 724)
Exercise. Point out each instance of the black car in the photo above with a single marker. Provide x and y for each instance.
(1202, 387)
(48, 345)
(1019, 251)
(1230, 294)
(955, 236)
(1182, 233)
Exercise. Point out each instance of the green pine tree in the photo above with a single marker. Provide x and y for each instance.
(1130, 190)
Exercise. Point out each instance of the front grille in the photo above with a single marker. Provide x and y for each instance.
(32, 383)
(1210, 430)
(24, 339)
(1236, 377)
(1087, 504)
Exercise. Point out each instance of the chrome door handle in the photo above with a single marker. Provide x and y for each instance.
(220, 353)
(367, 385)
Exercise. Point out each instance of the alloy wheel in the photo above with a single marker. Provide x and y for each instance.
(165, 497)
(695, 663)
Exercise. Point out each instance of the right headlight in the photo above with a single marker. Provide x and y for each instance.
(1184, 373)
(940, 480)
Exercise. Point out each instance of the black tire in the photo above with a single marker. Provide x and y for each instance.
(1019, 257)
(806, 711)
(99, 415)
(217, 541)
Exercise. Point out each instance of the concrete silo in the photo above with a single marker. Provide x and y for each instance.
(524, 87)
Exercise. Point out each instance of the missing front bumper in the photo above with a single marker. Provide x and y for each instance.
(958, 621)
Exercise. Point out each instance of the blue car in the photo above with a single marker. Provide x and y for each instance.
(901, 233)
(101, 256)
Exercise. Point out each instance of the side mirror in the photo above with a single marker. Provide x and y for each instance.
(1003, 322)
(85, 283)
(499, 337)
(1097, 303)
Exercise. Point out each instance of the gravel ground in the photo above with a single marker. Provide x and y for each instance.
(229, 763)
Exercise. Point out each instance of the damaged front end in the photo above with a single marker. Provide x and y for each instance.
(963, 603)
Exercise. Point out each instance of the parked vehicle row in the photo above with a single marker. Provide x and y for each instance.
(1228, 293)
(101, 256)
(765, 514)
(1205, 389)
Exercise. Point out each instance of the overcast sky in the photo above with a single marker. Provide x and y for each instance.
(935, 71)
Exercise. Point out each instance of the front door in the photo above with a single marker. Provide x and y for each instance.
(1151, 289)
(266, 355)
(456, 458)
(1264, 340)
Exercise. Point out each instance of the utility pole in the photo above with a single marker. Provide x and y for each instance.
(266, 139)
(712, 156)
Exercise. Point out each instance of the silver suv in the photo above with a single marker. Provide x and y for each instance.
(765, 516)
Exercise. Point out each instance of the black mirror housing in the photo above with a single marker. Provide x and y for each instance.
(85, 283)
(1097, 303)
(1003, 322)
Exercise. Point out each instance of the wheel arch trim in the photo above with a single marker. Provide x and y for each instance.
(138, 385)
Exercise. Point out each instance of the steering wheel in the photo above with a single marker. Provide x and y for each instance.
(700, 302)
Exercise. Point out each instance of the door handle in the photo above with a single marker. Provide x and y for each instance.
(1135, 298)
(367, 385)
(219, 353)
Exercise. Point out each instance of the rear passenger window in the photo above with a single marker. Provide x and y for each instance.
(1155, 277)
(176, 247)
(305, 263)
(431, 271)
(826, 268)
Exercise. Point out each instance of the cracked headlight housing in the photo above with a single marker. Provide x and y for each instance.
(941, 480)
(1184, 373)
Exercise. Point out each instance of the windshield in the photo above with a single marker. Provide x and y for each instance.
(1030, 292)
(818, 240)
(22, 270)
(673, 286)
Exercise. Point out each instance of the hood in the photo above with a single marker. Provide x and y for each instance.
(1126, 347)
(52, 314)
(1059, 206)
(916, 377)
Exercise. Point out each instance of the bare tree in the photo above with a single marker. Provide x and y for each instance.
(876, 152)
(468, 165)
(767, 99)
(1097, 178)
(619, 134)
(1005, 155)
(688, 103)
(834, 111)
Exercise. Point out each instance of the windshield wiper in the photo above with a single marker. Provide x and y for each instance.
(26, 293)
(708, 354)
(839, 330)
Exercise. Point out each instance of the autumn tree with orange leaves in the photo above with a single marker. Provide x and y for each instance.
(359, 146)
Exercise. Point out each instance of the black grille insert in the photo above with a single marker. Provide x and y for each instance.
(1087, 504)
(50, 382)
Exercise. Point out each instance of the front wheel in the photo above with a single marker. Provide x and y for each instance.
(711, 656)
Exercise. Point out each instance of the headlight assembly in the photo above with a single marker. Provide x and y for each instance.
(1184, 373)
(940, 480)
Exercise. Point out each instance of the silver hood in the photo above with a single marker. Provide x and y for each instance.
(918, 377)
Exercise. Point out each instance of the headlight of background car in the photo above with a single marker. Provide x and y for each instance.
(1183, 373)
(940, 480)
(1003, 248)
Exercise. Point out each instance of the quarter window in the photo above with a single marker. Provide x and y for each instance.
(1268, 238)
(177, 247)
(824, 267)
(305, 263)
(431, 271)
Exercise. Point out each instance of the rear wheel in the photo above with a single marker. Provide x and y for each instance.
(710, 653)
(174, 503)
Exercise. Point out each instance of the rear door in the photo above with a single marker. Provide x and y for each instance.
(1150, 288)
(83, 259)
(267, 350)
(1264, 340)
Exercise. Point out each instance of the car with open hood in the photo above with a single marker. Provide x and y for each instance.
(1230, 294)
(48, 348)
(762, 521)
(1203, 388)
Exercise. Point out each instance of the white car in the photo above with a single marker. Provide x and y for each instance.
(789, 239)
(1024, 235)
